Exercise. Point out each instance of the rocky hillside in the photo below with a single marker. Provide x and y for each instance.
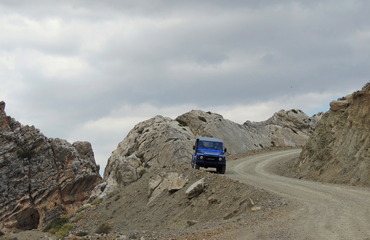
(284, 128)
(164, 142)
(41, 178)
(339, 149)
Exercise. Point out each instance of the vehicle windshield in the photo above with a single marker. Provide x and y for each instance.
(210, 145)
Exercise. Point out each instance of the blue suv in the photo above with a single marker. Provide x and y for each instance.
(209, 152)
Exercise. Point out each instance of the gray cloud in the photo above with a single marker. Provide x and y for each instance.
(66, 66)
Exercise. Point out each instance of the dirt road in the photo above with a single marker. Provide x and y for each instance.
(316, 210)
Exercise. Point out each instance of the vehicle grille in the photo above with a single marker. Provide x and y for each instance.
(207, 158)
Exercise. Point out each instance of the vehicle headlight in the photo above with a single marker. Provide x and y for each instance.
(201, 157)
(220, 159)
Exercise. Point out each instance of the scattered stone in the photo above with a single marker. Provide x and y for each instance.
(133, 235)
(195, 189)
(191, 222)
(231, 215)
(212, 200)
(166, 181)
(251, 202)
(177, 183)
(255, 208)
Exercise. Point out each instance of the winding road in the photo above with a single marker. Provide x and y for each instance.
(316, 210)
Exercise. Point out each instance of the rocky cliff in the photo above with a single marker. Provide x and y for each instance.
(41, 178)
(339, 149)
(164, 142)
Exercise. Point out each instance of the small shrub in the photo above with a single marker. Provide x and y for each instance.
(78, 217)
(104, 228)
(82, 234)
(118, 197)
(97, 201)
(83, 209)
(56, 224)
(64, 230)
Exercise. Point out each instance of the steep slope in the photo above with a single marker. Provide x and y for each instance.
(339, 149)
(41, 178)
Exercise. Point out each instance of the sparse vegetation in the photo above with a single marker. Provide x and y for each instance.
(78, 217)
(82, 234)
(59, 226)
(56, 224)
(104, 228)
(64, 230)
(96, 202)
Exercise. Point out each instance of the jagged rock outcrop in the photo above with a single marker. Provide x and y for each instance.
(171, 182)
(40, 178)
(163, 142)
(285, 128)
(339, 149)
(157, 142)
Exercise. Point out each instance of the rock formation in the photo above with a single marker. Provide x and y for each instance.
(339, 149)
(41, 178)
(157, 142)
(163, 142)
(284, 128)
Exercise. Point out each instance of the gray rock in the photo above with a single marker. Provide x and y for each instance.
(171, 182)
(162, 142)
(191, 222)
(284, 128)
(155, 143)
(338, 151)
(41, 178)
(195, 189)
(177, 183)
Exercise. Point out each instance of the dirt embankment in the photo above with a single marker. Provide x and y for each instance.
(339, 149)
(130, 213)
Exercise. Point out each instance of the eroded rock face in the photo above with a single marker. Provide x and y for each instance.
(41, 178)
(162, 142)
(285, 128)
(339, 149)
(157, 142)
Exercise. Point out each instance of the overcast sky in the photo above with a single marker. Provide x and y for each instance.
(90, 70)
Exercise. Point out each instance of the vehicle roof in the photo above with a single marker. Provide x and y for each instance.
(209, 139)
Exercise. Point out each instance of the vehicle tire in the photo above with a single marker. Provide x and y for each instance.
(196, 166)
(221, 169)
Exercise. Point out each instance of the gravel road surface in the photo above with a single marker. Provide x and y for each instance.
(316, 210)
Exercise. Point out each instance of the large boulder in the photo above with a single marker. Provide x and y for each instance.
(159, 142)
(339, 149)
(41, 178)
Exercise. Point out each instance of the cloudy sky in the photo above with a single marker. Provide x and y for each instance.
(90, 70)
